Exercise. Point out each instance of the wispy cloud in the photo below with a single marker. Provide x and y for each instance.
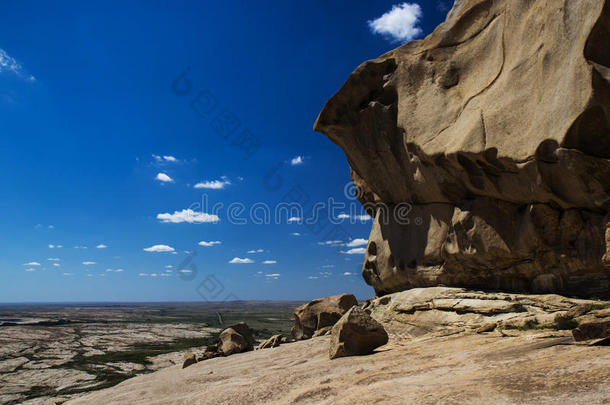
(326, 274)
(8, 64)
(53, 259)
(188, 216)
(31, 264)
(273, 276)
(164, 178)
(270, 262)
(347, 273)
(169, 266)
(295, 234)
(213, 184)
(238, 260)
(362, 218)
(185, 271)
(297, 160)
(295, 219)
(355, 251)
(101, 246)
(328, 266)
(114, 270)
(357, 242)
(80, 247)
(313, 277)
(68, 274)
(29, 269)
(165, 159)
(400, 24)
(330, 243)
(89, 263)
(52, 246)
(142, 274)
(159, 249)
(56, 265)
(210, 243)
(256, 251)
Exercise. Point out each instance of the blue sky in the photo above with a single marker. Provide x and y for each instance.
(104, 142)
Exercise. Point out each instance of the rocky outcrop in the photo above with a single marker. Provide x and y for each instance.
(356, 333)
(483, 150)
(443, 311)
(320, 313)
(236, 339)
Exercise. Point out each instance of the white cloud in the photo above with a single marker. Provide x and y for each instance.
(114, 271)
(256, 251)
(142, 274)
(53, 259)
(30, 270)
(51, 227)
(89, 263)
(56, 264)
(59, 246)
(214, 184)
(210, 243)
(68, 274)
(51, 246)
(80, 247)
(169, 266)
(400, 23)
(297, 160)
(294, 219)
(363, 218)
(168, 271)
(270, 262)
(328, 266)
(326, 274)
(273, 276)
(188, 216)
(357, 242)
(165, 158)
(355, 251)
(9, 64)
(313, 277)
(153, 274)
(159, 248)
(185, 271)
(347, 273)
(330, 243)
(295, 234)
(165, 275)
(101, 246)
(164, 178)
(238, 260)
(31, 264)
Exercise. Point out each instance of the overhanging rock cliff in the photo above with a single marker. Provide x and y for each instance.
(495, 129)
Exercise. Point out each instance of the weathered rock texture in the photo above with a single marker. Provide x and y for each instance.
(320, 314)
(235, 339)
(356, 333)
(495, 130)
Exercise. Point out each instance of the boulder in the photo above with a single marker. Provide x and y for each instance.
(236, 339)
(483, 151)
(189, 360)
(322, 331)
(320, 313)
(273, 341)
(598, 329)
(356, 333)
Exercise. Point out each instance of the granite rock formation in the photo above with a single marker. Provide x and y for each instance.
(320, 314)
(356, 333)
(483, 150)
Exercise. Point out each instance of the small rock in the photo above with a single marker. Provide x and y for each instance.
(189, 360)
(579, 310)
(273, 341)
(208, 355)
(488, 327)
(598, 329)
(603, 313)
(356, 333)
(236, 339)
(324, 331)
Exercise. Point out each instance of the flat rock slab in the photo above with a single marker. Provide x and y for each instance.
(473, 369)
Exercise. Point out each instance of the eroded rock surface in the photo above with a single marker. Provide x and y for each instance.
(488, 144)
(320, 313)
(236, 339)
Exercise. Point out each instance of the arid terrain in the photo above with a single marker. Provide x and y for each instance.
(50, 353)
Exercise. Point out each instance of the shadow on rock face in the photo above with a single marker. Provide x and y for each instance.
(499, 147)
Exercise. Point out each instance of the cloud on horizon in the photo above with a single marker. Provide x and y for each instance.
(400, 24)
